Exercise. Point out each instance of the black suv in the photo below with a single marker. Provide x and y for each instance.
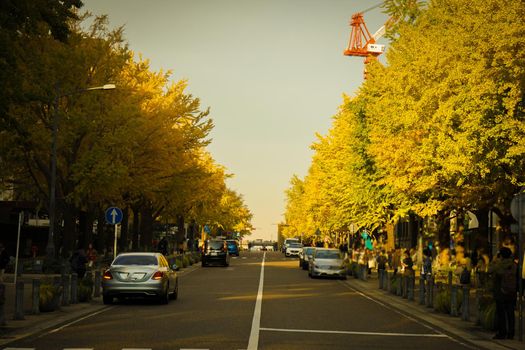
(215, 251)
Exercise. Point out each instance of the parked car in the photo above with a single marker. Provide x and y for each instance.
(326, 262)
(293, 249)
(233, 247)
(140, 275)
(215, 251)
(287, 243)
(304, 256)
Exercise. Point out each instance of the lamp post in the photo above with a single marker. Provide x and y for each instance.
(50, 248)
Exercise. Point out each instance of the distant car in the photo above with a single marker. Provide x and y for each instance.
(256, 248)
(326, 262)
(215, 251)
(293, 249)
(233, 247)
(304, 256)
(269, 248)
(140, 275)
(287, 242)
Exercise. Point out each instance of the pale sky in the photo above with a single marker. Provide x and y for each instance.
(272, 72)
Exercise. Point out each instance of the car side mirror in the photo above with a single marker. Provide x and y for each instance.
(175, 267)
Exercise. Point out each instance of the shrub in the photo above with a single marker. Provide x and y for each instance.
(442, 300)
(394, 281)
(185, 261)
(487, 311)
(49, 297)
(85, 289)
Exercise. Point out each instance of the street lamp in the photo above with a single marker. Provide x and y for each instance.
(50, 249)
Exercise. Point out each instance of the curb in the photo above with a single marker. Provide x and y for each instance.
(36, 324)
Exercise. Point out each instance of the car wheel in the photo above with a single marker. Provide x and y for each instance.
(107, 300)
(164, 298)
(204, 264)
(175, 293)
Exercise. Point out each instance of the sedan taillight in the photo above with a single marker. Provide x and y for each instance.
(157, 275)
(107, 275)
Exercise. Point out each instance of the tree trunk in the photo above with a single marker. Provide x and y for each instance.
(180, 237)
(135, 228)
(443, 228)
(101, 231)
(146, 228)
(124, 230)
(70, 238)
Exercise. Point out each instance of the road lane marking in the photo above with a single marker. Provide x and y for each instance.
(78, 320)
(253, 343)
(355, 333)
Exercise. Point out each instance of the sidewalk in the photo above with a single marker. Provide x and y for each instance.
(32, 324)
(452, 326)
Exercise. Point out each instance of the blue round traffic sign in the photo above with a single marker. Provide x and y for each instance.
(113, 215)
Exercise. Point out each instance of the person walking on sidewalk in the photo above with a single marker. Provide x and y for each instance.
(4, 260)
(91, 255)
(504, 271)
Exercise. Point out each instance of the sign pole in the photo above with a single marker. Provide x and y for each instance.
(20, 219)
(115, 243)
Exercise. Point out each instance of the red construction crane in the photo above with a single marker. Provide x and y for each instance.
(362, 43)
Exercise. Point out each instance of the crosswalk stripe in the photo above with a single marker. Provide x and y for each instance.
(19, 348)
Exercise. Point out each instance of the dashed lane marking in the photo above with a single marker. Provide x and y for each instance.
(383, 334)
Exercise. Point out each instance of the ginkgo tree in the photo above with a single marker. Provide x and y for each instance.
(140, 146)
(438, 129)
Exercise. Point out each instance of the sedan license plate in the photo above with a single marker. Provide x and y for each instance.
(137, 276)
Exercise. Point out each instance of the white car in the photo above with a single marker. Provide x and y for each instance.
(293, 249)
(287, 243)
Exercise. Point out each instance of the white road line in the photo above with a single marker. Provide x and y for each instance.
(253, 343)
(391, 308)
(19, 348)
(355, 333)
(78, 320)
(78, 349)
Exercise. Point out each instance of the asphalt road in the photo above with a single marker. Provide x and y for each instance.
(249, 305)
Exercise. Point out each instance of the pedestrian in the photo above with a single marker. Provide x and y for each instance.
(426, 268)
(504, 271)
(91, 255)
(78, 262)
(4, 261)
(407, 263)
(381, 262)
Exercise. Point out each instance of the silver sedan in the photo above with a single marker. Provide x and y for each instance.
(326, 262)
(140, 275)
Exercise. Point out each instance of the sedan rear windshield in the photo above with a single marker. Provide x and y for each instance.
(135, 260)
(327, 254)
(295, 245)
(215, 244)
